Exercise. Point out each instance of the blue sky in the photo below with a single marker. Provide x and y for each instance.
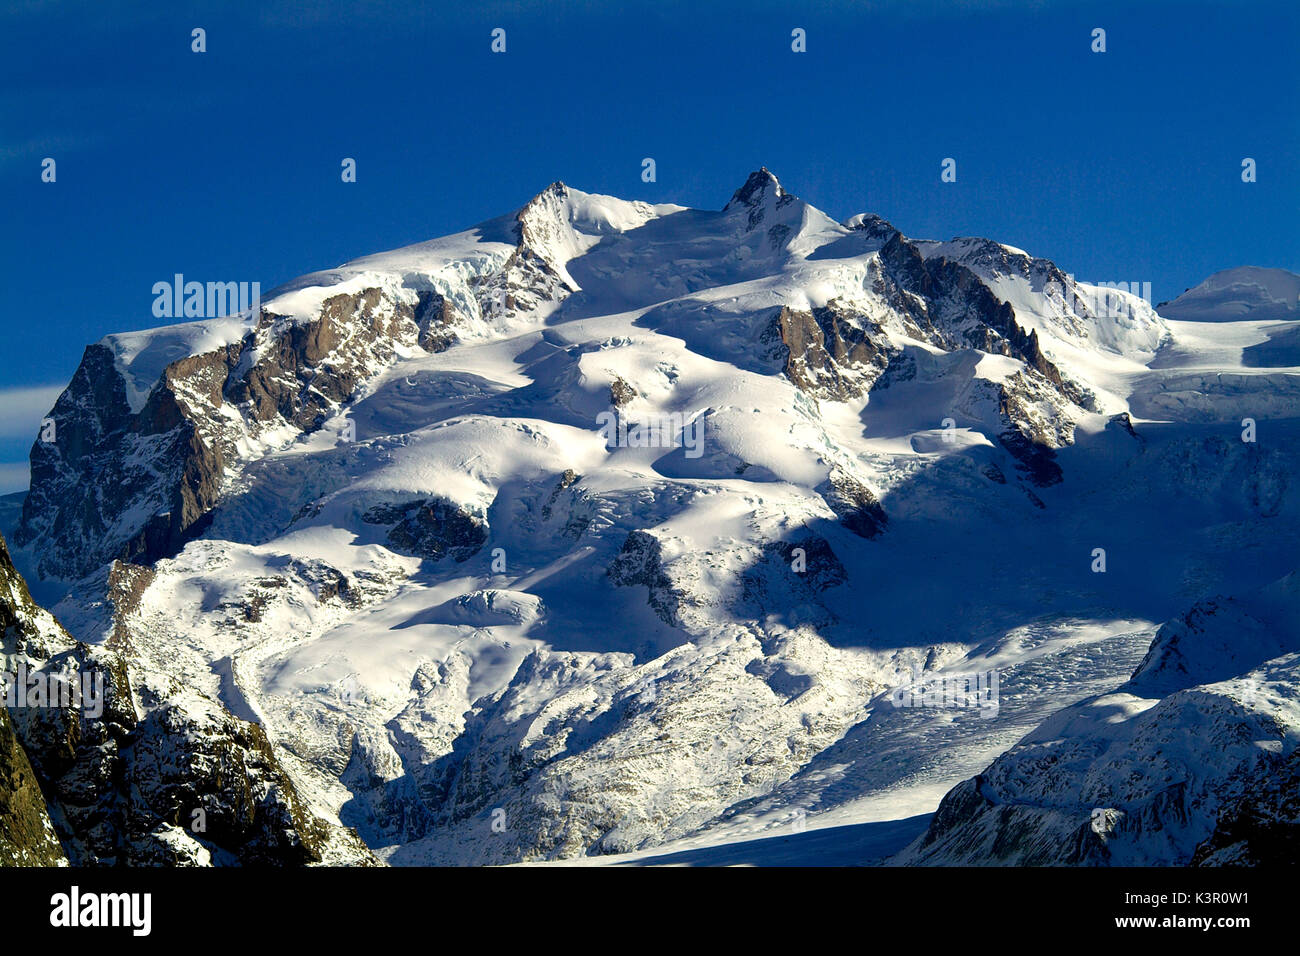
(225, 165)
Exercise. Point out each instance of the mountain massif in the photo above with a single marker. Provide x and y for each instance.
(610, 530)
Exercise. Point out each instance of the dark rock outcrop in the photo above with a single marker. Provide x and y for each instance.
(621, 393)
(436, 319)
(435, 528)
(26, 835)
(640, 562)
(789, 578)
(834, 353)
(853, 503)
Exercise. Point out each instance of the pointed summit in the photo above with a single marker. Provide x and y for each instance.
(760, 186)
(551, 198)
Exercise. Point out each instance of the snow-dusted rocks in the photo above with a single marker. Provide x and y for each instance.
(1193, 761)
(139, 770)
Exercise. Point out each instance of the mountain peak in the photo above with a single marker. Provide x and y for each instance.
(555, 191)
(760, 185)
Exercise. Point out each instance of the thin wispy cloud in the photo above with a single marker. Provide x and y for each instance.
(21, 409)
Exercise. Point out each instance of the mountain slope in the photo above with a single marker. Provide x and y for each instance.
(126, 767)
(1247, 292)
(1194, 760)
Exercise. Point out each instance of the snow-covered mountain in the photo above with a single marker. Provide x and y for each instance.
(1247, 292)
(1192, 761)
(605, 526)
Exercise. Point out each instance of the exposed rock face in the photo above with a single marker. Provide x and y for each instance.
(133, 776)
(309, 368)
(226, 780)
(1123, 422)
(125, 586)
(437, 319)
(837, 353)
(435, 529)
(855, 505)
(1034, 426)
(27, 837)
(531, 275)
(760, 191)
(640, 563)
(1037, 462)
(828, 352)
(789, 578)
(190, 785)
(1262, 826)
(138, 485)
(107, 463)
(567, 480)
